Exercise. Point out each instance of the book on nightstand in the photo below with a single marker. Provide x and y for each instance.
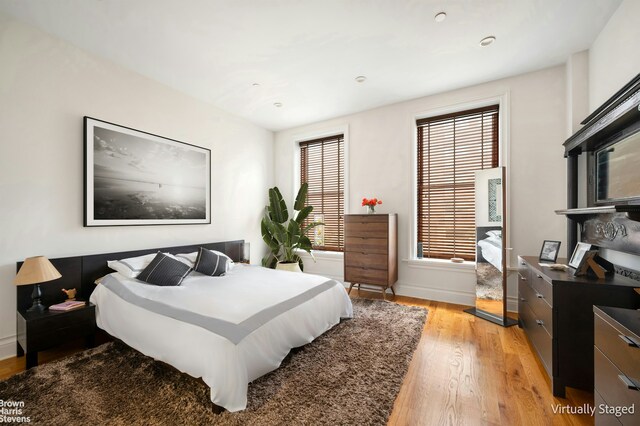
(67, 306)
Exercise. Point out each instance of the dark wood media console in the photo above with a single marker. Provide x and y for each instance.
(556, 313)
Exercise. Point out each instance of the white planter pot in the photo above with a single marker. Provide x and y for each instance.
(291, 267)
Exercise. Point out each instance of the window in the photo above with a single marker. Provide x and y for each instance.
(322, 167)
(451, 148)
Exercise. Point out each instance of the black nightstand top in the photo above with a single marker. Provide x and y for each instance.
(47, 314)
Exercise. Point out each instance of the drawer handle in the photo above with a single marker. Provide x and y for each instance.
(539, 296)
(629, 341)
(539, 322)
(521, 277)
(522, 299)
(630, 384)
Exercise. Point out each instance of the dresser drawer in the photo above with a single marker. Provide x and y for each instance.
(538, 336)
(618, 346)
(366, 245)
(366, 276)
(543, 287)
(366, 218)
(523, 270)
(610, 384)
(541, 310)
(366, 260)
(603, 419)
(366, 229)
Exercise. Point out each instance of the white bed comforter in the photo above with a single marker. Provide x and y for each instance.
(227, 330)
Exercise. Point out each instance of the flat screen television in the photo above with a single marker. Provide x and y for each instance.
(617, 171)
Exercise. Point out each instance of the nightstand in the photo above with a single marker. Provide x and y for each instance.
(38, 331)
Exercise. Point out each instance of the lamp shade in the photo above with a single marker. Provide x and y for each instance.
(36, 270)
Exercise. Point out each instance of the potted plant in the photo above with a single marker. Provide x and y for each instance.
(285, 238)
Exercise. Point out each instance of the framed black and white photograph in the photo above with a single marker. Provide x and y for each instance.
(137, 178)
(549, 251)
(578, 257)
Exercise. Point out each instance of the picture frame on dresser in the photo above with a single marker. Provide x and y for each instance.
(578, 258)
(132, 178)
(549, 251)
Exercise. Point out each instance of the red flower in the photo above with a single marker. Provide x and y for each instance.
(371, 202)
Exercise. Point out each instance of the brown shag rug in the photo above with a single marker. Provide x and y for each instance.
(349, 375)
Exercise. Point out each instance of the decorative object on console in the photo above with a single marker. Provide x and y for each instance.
(371, 204)
(578, 257)
(36, 270)
(71, 293)
(138, 178)
(285, 239)
(549, 251)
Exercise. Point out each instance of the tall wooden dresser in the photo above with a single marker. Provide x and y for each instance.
(371, 250)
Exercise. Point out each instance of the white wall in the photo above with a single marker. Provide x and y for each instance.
(614, 57)
(613, 61)
(380, 154)
(46, 87)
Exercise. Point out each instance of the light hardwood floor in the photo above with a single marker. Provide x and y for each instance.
(466, 371)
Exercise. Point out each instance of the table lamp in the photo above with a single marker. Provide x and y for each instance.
(36, 270)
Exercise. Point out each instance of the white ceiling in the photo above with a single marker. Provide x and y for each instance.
(306, 53)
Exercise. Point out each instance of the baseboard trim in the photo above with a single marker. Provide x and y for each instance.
(465, 298)
(457, 297)
(7, 347)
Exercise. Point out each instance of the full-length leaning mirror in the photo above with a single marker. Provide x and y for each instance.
(491, 257)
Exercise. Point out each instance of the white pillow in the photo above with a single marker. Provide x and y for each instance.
(494, 234)
(192, 257)
(132, 266)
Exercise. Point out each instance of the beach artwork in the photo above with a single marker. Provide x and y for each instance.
(136, 178)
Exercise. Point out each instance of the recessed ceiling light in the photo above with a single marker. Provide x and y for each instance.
(361, 78)
(487, 41)
(277, 104)
(256, 84)
(441, 16)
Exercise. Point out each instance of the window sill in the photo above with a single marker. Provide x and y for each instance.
(323, 255)
(440, 264)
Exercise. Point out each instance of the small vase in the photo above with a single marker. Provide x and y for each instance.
(371, 209)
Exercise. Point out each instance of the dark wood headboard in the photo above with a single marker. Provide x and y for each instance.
(80, 272)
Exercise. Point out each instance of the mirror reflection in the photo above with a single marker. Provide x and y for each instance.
(490, 250)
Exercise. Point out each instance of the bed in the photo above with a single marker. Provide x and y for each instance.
(227, 330)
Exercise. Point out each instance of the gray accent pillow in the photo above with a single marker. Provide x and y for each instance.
(210, 263)
(164, 271)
